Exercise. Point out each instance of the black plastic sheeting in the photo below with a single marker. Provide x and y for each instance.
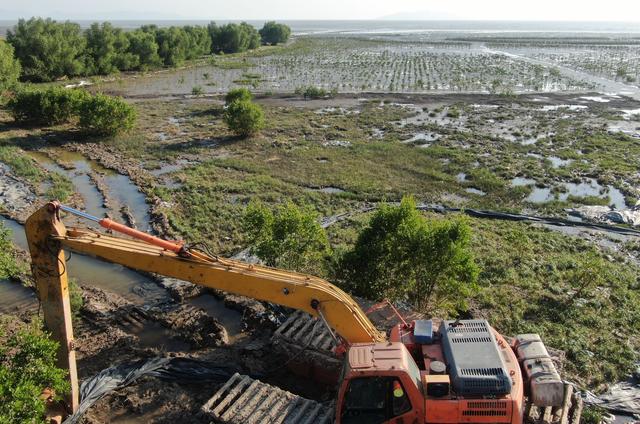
(621, 398)
(181, 370)
(505, 216)
(530, 218)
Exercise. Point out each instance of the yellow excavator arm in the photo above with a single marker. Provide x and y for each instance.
(47, 236)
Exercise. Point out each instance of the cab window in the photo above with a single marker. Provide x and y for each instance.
(374, 400)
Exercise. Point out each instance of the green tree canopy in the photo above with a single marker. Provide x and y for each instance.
(233, 38)
(9, 67)
(401, 255)
(274, 33)
(48, 50)
(143, 47)
(244, 117)
(107, 50)
(173, 44)
(288, 237)
(198, 41)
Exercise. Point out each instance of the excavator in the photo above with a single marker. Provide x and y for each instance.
(423, 371)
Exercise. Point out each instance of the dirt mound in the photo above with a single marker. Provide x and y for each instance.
(180, 289)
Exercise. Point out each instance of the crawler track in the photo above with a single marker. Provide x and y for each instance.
(245, 400)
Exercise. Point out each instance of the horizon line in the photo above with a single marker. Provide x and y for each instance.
(383, 19)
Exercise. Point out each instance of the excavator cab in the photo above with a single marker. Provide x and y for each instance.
(380, 384)
(374, 400)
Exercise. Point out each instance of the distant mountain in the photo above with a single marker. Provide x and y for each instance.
(422, 15)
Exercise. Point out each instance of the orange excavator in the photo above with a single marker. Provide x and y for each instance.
(424, 371)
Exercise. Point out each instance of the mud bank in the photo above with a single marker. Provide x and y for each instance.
(111, 331)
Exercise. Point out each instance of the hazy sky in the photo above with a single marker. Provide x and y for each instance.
(599, 10)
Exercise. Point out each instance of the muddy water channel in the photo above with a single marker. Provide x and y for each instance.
(116, 192)
(122, 192)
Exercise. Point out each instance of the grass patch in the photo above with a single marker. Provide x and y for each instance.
(566, 290)
(20, 164)
(61, 187)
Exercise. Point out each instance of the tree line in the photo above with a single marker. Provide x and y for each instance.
(47, 50)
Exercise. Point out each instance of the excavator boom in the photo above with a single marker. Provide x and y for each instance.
(47, 236)
(298, 291)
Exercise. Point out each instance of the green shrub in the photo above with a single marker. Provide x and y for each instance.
(242, 94)
(9, 265)
(453, 112)
(75, 298)
(55, 105)
(244, 118)
(27, 367)
(289, 237)
(197, 90)
(312, 92)
(401, 255)
(106, 115)
(9, 67)
(591, 415)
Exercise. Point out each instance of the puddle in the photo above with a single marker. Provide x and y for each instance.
(171, 167)
(337, 143)
(16, 298)
(588, 188)
(520, 182)
(557, 162)
(153, 335)
(630, 113)
(597, 99)
(230, 319)
(422, 138)
(377, 133)
(529, 141)
(328, 190)
(593, 188)
(573, 108)
(336, 110)
(126, 193)
(477, 106)
(475, 191)
(630, 128)
(540, 195)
